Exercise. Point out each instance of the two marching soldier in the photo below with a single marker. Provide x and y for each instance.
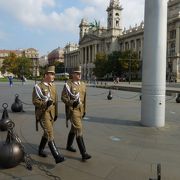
(45, 99)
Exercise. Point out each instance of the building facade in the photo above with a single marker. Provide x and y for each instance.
(57, 55)
(173, 41)
(95, 39)
(30, 53)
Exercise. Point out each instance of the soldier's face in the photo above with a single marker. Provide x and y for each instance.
(77, 76)
(49, 77)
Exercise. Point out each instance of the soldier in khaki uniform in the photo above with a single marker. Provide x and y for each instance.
(45, 100)
(74, 97)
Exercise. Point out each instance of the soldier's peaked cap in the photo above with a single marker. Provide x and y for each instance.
(77, 69)
(50, 69)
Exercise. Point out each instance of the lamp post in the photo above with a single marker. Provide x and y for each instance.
(129, 70)
(35, 68)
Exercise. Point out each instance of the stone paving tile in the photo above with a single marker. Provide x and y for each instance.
(120, 147)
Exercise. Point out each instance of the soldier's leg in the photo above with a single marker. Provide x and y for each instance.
(81, 145)
(77, 128)
(48, 132)
(44, 141)
(42, 145)
(70, 140)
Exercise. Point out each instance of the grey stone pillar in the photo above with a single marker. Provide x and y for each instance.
(154, 64)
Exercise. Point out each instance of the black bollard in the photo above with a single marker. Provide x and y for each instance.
(178, 98)
(17, 106)
(12, 151)
(5, 118)
(109, 96)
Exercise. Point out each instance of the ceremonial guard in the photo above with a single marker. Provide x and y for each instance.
(45, 100)
(74, 97)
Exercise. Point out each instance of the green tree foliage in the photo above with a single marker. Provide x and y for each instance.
(9, 63)
(23, 67)
(100, 65)
(19, 66)
(117, 63)
(114, 64)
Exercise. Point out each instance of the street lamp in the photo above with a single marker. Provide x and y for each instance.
(35, 68)
(129, 70)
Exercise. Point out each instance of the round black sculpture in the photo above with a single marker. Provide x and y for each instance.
(17, 106)
(11, 151)
(178, 98)
(109, 96)
(5, 118)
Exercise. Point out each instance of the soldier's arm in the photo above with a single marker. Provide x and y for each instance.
(36, 101)
(85, 101)
(65, 97)
(56, 111)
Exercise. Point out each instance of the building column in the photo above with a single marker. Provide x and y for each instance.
(154, 64)
(178, 41)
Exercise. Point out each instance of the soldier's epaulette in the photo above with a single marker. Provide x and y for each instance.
(82, 82)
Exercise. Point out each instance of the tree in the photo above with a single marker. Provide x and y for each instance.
(100, 65)
(23, 67)
(114, 65)
(19, 66)
(9, 63)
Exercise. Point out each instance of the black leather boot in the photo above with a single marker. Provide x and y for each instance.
(42, 146)
(57, 156)
(70, 140)
(82, 148)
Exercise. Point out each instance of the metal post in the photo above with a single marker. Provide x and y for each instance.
(129, 70)
(36, 71)
(154, 65)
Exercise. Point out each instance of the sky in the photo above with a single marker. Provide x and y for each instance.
(48, 24)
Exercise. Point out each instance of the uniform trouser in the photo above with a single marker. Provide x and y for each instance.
(76, 131)
(76, 123)
(47, 126)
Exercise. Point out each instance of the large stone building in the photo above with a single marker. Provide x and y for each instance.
(56, 55)
(94, 39)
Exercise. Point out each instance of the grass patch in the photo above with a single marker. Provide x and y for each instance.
(3, 80)
(6, 80)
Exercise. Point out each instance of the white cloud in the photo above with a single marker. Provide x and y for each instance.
(32, 13)
(133, 12)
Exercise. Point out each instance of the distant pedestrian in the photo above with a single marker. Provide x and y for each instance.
(23, 79)
(10, 78)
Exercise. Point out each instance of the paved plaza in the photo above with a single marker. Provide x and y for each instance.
(121, 148)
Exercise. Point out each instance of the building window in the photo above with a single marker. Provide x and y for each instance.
(108, 46)
(126, 46)
(117, 23)
(121, 47)
(172, 49)
(173, 34)
(132, 44)
(138, 42)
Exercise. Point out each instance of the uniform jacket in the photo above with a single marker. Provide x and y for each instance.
(41, 110)
(68, 99)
